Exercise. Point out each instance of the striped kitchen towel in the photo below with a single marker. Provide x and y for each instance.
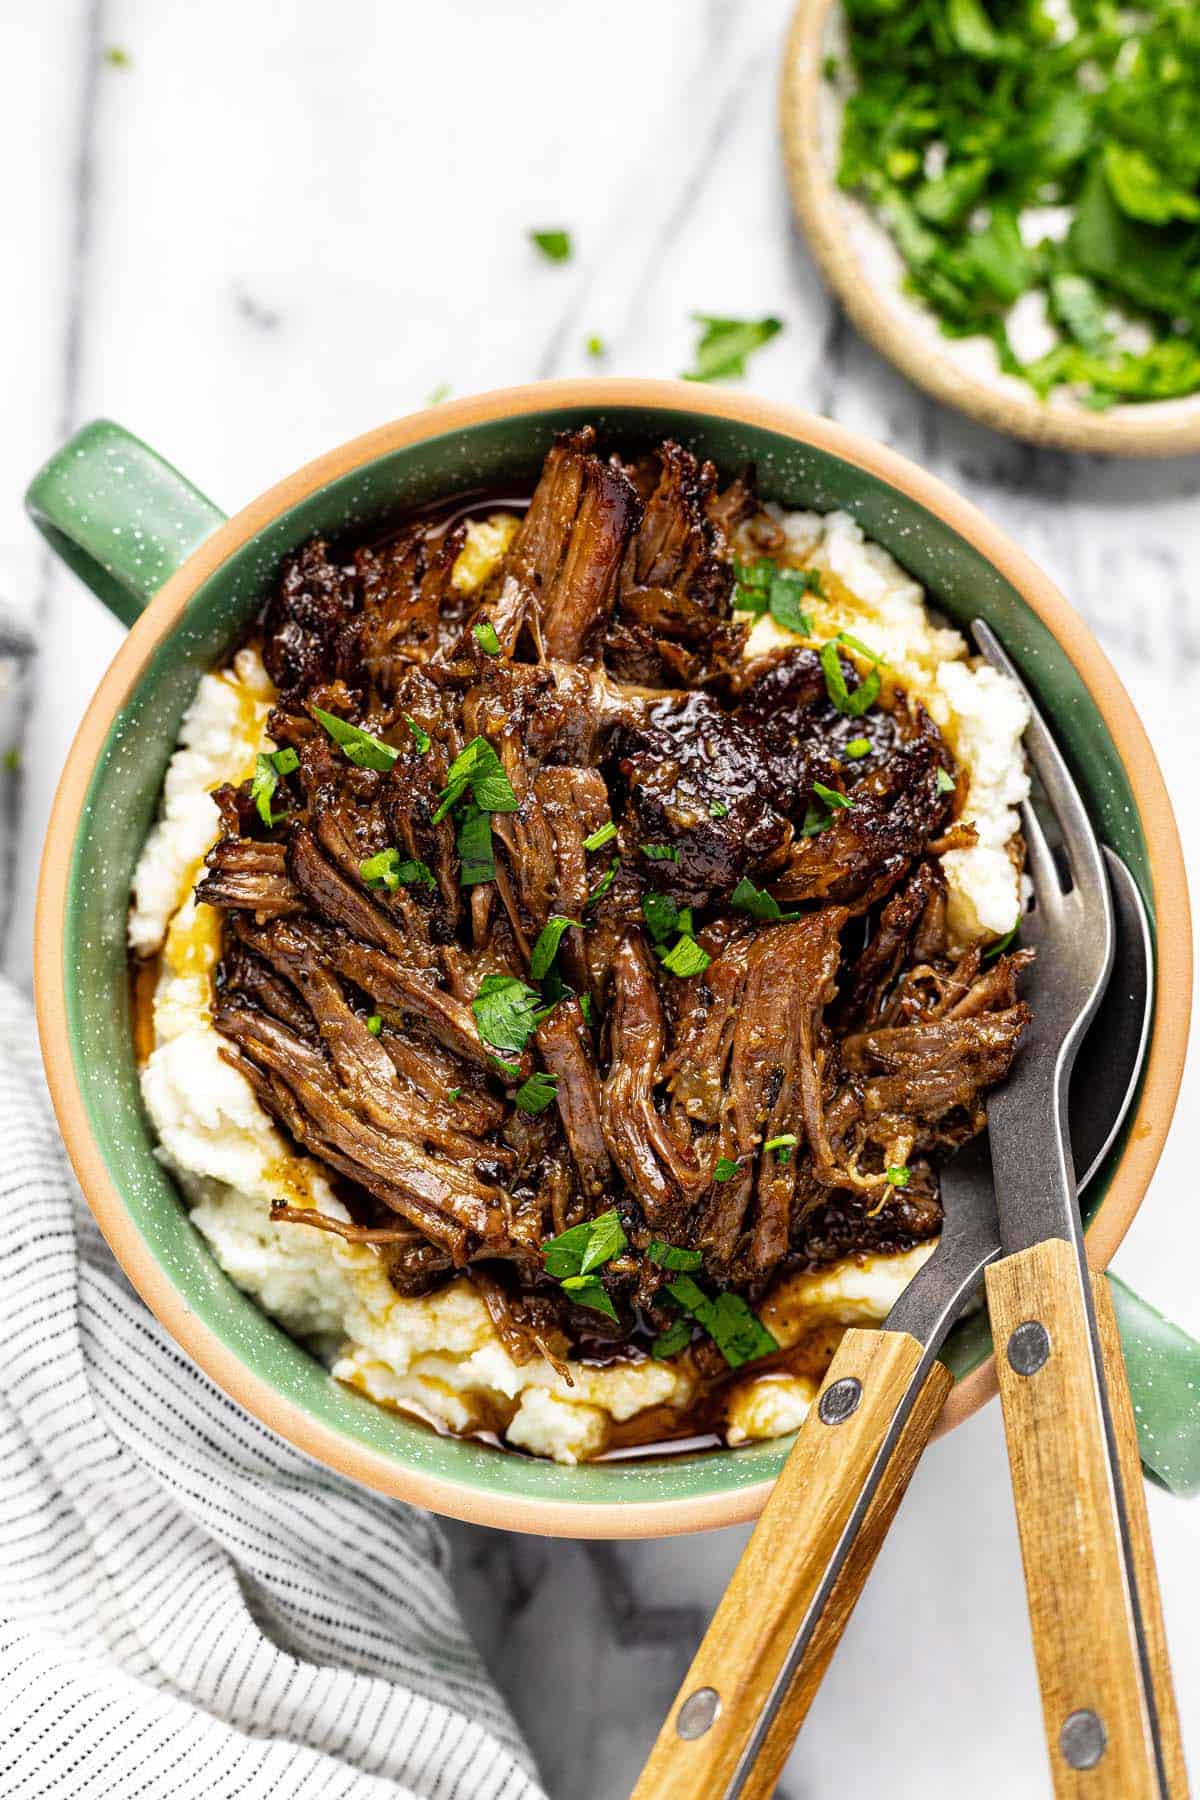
(188, 1606)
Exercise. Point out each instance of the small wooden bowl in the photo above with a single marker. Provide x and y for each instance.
(843, 234)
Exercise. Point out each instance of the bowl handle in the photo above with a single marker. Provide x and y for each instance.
(1163, 1365)
(118, 515)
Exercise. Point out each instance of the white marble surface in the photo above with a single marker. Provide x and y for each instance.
(281, 225)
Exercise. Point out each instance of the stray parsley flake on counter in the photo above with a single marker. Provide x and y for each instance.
(357, 746)
(970, 120)
(738, 1333)
(555, 245)
(725, 344)
(596, 346)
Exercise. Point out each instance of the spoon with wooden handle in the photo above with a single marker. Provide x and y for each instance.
(743, 1701)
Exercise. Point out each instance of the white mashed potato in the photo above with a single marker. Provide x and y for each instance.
(439, 1356)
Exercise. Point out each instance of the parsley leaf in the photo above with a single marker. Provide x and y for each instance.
(506, 1012)
(686, 958)
(831, 797)
(851, 701)
(535, 1095)
(675, 1338)
(485, 636)
(389, 870)
(555, 245)
(586, 1247)
(897, 1175)
(546, 948)
(668, 1256)
(759, 904)
(738, 1333)
(269, 765)
(477, 770)
(375, 1024)
(421, 737)
(784, 595)
(357, 746)
(725, 1169)
(602, 886)
(665, 918)
(476, 858)
(660, 852)
(946, 783)
(604, 835)
(725, 344)
(857, 748)
(717, 809)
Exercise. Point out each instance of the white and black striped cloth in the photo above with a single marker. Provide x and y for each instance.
(188, 1607)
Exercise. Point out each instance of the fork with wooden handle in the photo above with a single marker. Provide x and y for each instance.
(1107, 1700)
(736, 1717)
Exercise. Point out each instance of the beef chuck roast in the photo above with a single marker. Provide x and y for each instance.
(711, 898)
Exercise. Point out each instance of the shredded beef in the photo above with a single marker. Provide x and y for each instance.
(646, 775)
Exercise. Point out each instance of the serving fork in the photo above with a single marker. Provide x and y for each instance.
(1011, 1217)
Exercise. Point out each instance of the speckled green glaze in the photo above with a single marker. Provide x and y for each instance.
(125, 521)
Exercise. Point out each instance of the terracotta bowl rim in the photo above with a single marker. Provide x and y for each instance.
(1164, 1065)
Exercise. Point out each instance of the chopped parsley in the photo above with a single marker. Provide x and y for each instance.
(602, 886)
(604, 835)
(506, 1012)
(857, 748)
(761, 587)
(420, 736)
(555, 245)
(946, 784)
(725, 1169)
(660, 852)
(686, 958)
(675, 1338)
(759, 904)
(485, 636)
(574, 1257)
(831, 797)
(1002, 944)
(546, 948)
(782, 1145)
(476, 770)
(968, 118)
(664, 918)
(389, 870)
(269, 765)
(358, 746)
(724, 345)
(453, 1093)
(668, 1256)
(535, 1095)
(897, 1175)
(717, 809)
(476, 858)
(851, 701)
(374, 1024)
(738, 1333)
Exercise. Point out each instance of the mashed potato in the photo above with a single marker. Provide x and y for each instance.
(438, 1356)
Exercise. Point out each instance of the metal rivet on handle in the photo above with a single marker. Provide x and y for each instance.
(697, 1713)
(840, 1400)
(1083, 1739)
(1029, 1347)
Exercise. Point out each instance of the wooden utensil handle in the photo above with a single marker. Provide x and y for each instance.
(1099, 1695)
(856, 1450)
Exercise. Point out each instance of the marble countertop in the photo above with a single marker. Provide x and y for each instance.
(270, 228)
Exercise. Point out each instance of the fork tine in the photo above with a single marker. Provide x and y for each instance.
(1039, 859)
(1083, 850)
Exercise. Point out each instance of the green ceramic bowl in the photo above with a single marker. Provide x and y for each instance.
(186, 580)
